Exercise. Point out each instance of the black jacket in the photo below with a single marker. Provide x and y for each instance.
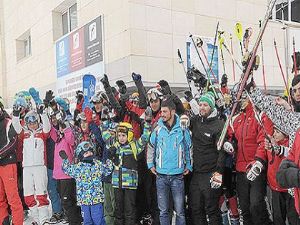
(7, 148)
(205, 135)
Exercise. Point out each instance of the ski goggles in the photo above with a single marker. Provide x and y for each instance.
(31, 119)
(152, 96)
(87, 147)
(96, 99)
(121, 129)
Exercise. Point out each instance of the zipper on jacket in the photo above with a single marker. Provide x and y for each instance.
(243, 137)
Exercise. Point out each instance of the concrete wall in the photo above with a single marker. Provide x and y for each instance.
(139, 35)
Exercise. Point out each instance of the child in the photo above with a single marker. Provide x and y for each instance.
(125, 176)
(34, 135)
(63, 136)
(88, 174)
(282, 201)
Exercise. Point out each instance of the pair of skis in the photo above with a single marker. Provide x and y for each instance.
(248, 72)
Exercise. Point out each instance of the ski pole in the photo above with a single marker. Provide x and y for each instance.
(262, 62)
(282, 73)
(215, 40)
(205, 57)
(233, 66)
(221, 41)
(295, 61)
(181, 62)
(248, 70)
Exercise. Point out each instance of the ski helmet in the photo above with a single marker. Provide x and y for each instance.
(31, 117)
(82, 148)
(154, 94)
(126, 128)
(99, 97)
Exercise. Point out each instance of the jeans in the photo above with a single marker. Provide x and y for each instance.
(175, 184)
(53, 193)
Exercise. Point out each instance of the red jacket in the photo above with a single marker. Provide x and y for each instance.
(294, 155)
(273, 167)
(250, 137)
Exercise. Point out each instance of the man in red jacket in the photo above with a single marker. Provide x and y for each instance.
(251, 186)
(8, 172)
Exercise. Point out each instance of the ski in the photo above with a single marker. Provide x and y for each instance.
(248, 71)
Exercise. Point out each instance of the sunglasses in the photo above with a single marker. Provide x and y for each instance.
(31, 119)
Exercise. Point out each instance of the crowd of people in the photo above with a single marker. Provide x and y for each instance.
(149, 156)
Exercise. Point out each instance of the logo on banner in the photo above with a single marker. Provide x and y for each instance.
(62, 48)
(93, 31)
(76, 40)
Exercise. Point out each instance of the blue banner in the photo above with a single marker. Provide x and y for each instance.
(89, 86)
(63, 57)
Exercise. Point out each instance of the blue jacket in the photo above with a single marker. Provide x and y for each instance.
(169, 151)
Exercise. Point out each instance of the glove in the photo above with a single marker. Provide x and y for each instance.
(48, 97)
(184, 122)
(148, 114)
(136, 77)
(254, 170)
(188, 96)
(124, 97)
(63, 154)
(216, 180)
(62, 103)
(40, 109)
(17, 110)
(122, 87)
(227, 147)
(164, 87)
(79, 97)
(35, 96)
(88, 114)
(105, 81)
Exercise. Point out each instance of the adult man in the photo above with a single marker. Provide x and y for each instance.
(208, 163)
(250, 162)
(8, 171)
(168, 157)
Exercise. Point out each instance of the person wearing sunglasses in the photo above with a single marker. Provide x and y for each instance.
(34, 135)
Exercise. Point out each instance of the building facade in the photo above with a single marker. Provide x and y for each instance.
(138, 36)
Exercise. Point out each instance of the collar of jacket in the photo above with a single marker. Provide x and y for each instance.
(213, 115)
(174, 127)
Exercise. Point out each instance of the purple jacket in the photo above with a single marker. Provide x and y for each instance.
(66, 143)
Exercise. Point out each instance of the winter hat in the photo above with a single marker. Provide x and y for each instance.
(168, 102)
(164, 86)
(296, 80)
(209, 98)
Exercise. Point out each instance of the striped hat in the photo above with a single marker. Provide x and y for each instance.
(209, 98)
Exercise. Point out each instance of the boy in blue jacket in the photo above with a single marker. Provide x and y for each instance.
(88, 174)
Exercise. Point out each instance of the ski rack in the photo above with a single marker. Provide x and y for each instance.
(247, 73)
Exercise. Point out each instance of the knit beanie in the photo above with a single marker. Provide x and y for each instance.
(209, 98)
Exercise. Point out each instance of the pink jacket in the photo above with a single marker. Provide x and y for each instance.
(67, 144)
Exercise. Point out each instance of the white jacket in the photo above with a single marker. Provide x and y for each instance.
(34, 142)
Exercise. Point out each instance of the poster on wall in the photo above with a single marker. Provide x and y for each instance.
(77, 54)
(208, 48)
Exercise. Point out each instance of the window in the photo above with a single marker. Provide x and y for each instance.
(287, 10)
(23, 46)
(69, 19)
